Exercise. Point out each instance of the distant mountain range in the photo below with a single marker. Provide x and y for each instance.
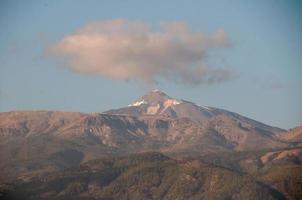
(33, 143)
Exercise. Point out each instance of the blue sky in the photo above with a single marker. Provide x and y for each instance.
(264, 57)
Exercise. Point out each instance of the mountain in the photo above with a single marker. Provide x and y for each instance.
(35, 142)
(227, 128)
(157, 103)
(154, 121)
(95, 155)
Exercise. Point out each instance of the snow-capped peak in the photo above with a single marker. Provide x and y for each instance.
(156, 101)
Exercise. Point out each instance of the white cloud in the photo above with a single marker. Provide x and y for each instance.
(132, 50)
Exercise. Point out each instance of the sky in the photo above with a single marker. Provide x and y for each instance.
(91, 56)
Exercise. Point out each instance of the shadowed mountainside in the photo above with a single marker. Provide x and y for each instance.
(142, 176)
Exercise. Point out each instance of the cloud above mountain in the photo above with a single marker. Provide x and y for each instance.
(133, 50)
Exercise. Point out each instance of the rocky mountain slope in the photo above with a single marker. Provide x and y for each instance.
(293, 135)
(39, 141)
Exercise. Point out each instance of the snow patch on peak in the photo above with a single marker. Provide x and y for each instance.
(153, 109)
(138, 103)
(171, 102)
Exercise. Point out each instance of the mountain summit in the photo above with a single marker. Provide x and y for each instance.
(159, 103)
(153, 98)
(155, 102)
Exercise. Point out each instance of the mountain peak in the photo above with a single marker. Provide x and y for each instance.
(155, 100)
(157, 92)
(154, 97)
